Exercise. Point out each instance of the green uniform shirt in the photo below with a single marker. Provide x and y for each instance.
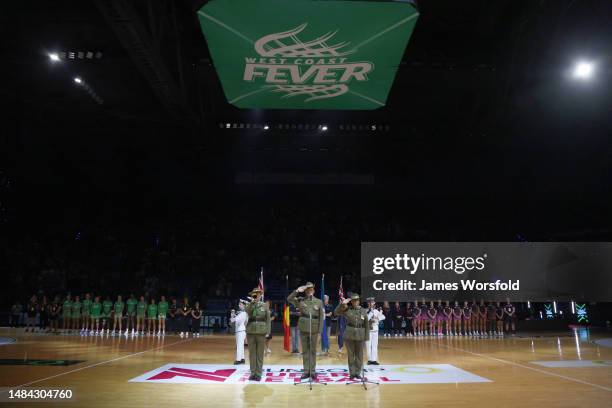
(142, 309)
(152, 311)
(96, 307)
(119, 307)
(67, 307)
(357, 326)
(107, 306)
(76, 309)
(162, 308)
(131, 305)
(259, 318)
(86, 306)
(308, 307)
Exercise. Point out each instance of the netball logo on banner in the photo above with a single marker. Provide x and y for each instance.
(290, 374)
(314, 69)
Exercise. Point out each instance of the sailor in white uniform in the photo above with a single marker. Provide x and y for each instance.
(239, 320)
(374, 316)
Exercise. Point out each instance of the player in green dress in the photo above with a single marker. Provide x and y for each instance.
(76, 313)
(107, 308)
(141, 311)
(152, 316)
(118, 311)
(131, 314)
(95, 311)
(85, 311)
(162, 311)
(66, 314)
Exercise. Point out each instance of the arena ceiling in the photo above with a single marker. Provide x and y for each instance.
(473, 61)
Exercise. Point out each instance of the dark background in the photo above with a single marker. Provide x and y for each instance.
(485, 137)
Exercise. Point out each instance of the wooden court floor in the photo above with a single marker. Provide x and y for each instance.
(101, 380)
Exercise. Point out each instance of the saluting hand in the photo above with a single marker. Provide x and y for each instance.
(301, 288)
(346, 301)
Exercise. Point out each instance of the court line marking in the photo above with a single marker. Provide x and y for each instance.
(92, 365)
(603, 387)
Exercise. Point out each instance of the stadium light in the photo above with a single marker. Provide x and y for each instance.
(78, 80)
(324, 128)
(266, 127)
(54, 57)
(584, 70)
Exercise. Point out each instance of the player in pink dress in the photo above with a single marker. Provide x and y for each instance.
(475, 317)
(457, 313)
(467, 319)
(417, 319)
(482, 317)
(447, 313)
(432, 314)
(440, 316)
(424, 317)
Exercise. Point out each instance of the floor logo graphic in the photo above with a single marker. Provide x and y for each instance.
(290, 374)
(313, 68)
(306, 54)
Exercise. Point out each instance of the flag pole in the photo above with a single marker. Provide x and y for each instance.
(324, 338)
(261, 283)
(286, 320)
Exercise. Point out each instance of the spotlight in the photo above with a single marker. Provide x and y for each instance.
(227, 125)
(324, 128)
(54, 57)
(78, 80)
(266, 127)
(584, 70)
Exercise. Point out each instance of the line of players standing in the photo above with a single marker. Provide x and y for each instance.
(88, 316)
(443, 318)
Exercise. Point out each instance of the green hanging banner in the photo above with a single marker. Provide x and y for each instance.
(307, 54)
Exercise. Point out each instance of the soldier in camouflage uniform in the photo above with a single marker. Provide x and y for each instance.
(258, 327)
(309, 306)
(357, 332)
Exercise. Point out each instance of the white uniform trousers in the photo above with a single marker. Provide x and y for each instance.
(372, 346)
(240, 336)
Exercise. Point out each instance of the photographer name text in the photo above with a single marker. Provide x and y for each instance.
(408, 285)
